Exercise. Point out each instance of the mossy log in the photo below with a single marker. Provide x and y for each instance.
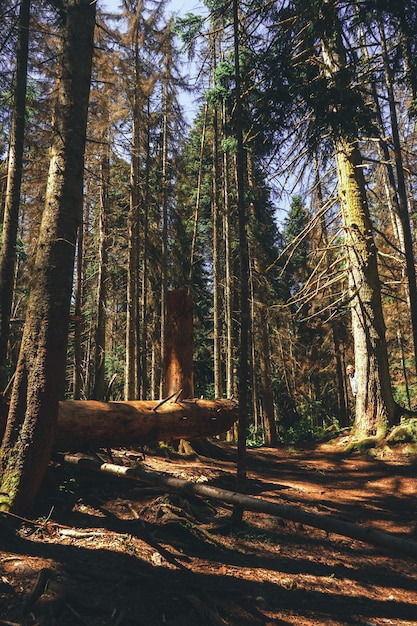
(89, 424)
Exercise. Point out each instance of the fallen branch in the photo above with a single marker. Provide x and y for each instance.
(250, 503)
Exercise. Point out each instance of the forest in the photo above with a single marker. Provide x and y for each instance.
(284, 210)
(207, 269)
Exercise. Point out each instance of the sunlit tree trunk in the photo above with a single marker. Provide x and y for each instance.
(375, 407)
(253, 361)
(342, 399)
(144, 334)
(217, 253)
(131, 373)
(99, 391)
(77, 380)
(40, 374)
(228, 278)
(164, 230)
(244, 314)
(13, 186)
(271, 435)
(217, 256)
(260, 338)
(131, 377)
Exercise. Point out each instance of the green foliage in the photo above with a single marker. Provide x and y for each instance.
(400, 392)
(293, 226)
(313, 410)
(302, 431)
(127, 544)
(188, 27)
(338, 101)
(115, 364)
(254, 535)
(224, 74)
(229, 144)
(217, 95)
(69, 487)
(255, 437)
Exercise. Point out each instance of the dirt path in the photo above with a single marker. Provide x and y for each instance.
(106, 551)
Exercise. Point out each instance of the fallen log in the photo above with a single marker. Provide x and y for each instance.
(251, 503)
(89, 424)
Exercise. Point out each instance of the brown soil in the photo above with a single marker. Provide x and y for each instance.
(108, 551)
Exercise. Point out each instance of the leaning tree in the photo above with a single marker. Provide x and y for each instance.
(40, 372)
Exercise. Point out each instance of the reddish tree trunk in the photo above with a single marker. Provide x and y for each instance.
(179, 346)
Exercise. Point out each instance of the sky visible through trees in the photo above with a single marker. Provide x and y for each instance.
(176, 8)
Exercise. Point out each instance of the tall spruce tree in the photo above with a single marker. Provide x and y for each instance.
(13, 187)
(40, 375)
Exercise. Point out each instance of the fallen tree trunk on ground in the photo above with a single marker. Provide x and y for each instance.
(89, 424)
(250, 503)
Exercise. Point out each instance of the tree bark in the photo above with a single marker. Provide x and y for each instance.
(144, 385)
(342, 399)
(228, 272)
(271, 435)
(403, 203)
(178, 357)
(164, 225)
(131, 374)
(250, 503)
(217, 256)
(90, 424)
(40, 373)
(99, 391)
(375, 407)
(244, 314)
(77, 377)
(13, 186)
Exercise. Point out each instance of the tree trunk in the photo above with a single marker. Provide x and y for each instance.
(90, 424)
(244, 316)
(403, 204)
(40, 374)
(77, 378)
(198, 198)
(260, 330)
(131, 374)
(178, 358)
(271, 435)
(228, 272)
(342, 399)
(164, 227)
(13, 186)
(144, 387)
(217, 256)
(99, 391)
(375, 407)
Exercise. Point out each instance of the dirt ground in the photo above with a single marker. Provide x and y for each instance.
(104, 550)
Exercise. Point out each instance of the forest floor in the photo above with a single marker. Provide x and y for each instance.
(103, 550)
